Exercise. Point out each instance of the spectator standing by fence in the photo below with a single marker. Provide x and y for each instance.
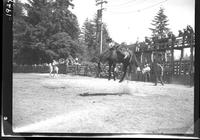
(184, 37)
(76, 63)
(180, 33)
(147, 42)
(190, 33)
(157, 71)
(192, 75)
(173, 39)
(138, 73)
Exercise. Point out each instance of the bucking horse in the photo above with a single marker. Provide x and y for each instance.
(115, 55)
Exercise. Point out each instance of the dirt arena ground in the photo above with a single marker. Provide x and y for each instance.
(76, 104)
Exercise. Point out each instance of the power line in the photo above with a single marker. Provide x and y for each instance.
(129, 5)
(139, 10)
(153, 5)
(128, 2)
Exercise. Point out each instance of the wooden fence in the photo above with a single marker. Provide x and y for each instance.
(180, 74)
(86, 70)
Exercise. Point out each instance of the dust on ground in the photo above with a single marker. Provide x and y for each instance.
(77, 104)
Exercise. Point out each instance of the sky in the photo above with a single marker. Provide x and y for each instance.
(130, 20)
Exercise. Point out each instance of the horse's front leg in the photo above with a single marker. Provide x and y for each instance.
(161, 79)
(145, 77)
(109, 71)
(156, 78)
(124, 74)
(114, 65)
(50, 72)
(56, 70)
(98, 69)
(54, 73)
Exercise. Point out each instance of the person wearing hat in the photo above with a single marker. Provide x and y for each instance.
(184, 36)
(126, 53)
(180, 33)
(190, 33)
(110, 43)
(158, 71)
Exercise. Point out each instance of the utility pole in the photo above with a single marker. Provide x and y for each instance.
(99, 15)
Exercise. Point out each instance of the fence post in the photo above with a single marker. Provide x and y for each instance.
(191, 60)
(152, 56)
(172, 62)
(141, 58)
(180, 66)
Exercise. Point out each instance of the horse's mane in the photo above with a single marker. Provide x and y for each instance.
(104, 55)
(120, 51)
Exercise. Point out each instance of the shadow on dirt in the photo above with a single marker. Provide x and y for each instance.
(54, 87)
(102, 94)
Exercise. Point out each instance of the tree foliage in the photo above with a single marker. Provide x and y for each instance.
(46, 30)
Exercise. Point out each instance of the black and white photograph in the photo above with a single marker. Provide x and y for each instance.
(102, 68)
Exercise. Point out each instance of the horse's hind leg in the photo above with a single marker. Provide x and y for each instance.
(124, 74)
(114, 73)
(148, 77)
(56, 72)
(99, 69)
(50, 73)
(161, 79)
(156, 78)
(109, 71)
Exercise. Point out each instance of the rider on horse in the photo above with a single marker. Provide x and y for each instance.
(111, 43)
(123, 50)
(126, 53)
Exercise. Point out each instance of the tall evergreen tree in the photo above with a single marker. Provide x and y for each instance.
(64, 19)
(160, 23)
(91, 37)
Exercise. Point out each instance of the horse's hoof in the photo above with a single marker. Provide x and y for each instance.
(120, 81)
